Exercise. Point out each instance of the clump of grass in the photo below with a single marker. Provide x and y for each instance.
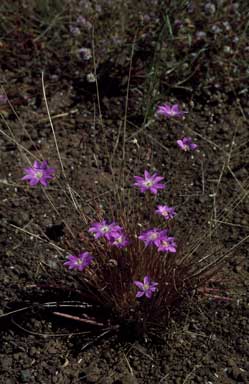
(131, 258)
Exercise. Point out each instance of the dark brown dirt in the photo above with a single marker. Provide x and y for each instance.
(207, 340)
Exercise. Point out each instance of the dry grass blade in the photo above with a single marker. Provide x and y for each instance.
(52, 126)
(46, 335)
(60, 249)
(127, 100)
(13, 140)
(218, 261)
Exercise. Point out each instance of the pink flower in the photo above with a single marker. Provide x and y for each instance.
(103, 229)
(152, 236)
(167, 245)
(165, 211)
(147, 287)
(79, 262)
(149, 182)
(3, 99)
(85, 53)
(81, 21)
(170, 111)
(39, 173)
(186, 144)
(75, 31)
(119, 239)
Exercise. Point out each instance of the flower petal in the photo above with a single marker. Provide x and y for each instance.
(27, 177)
(44, 164)
(146, 174)
(146, 280)
(44, 182)
(139, 284)
(139, 294)
(33, 182)
(148, 293)
(36, 164)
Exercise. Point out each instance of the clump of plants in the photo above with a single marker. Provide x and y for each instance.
(129, 260)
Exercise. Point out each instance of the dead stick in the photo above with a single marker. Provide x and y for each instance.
(78, 319)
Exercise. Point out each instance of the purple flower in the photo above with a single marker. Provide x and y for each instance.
(167, 244)
(39, 173)
(170, 111)
(165, 211)
(85, 53)
(149, 182)
(186, 144)
(153, 236)
(75, 31)
(79, 262)
(119, 239)
(178, 23)
(83, 22)
(103, 229)
(146, 288)
(3, 99)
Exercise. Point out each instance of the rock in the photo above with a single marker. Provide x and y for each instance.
(52, 350)
(235, 372)
(25, 376)
(92, 373)
(10, 381)
(17, 356)
(32, 351)
(238, 268)
(6, 363)
(128, 379)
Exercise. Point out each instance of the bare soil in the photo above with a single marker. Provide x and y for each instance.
(206, 340)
